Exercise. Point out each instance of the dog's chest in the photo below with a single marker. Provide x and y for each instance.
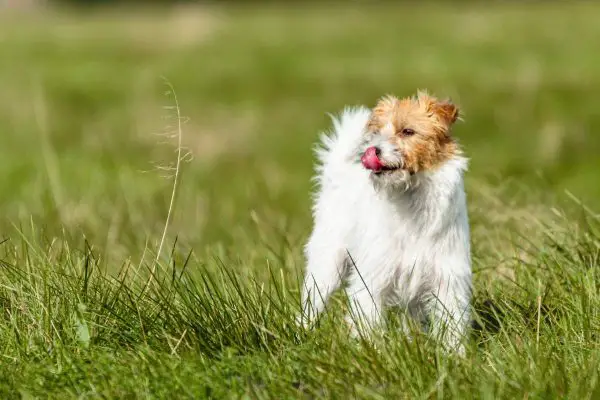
(391, 236)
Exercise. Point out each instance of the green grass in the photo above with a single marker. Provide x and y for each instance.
(81, 105)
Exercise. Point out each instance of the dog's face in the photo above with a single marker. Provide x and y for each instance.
(405, 137)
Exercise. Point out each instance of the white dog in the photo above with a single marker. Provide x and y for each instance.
(390, 217)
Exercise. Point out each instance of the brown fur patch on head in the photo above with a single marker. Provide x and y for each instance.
(419, 127)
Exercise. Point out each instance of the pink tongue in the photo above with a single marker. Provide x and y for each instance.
(370, 160)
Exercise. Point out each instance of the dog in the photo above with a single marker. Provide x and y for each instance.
(390, 218)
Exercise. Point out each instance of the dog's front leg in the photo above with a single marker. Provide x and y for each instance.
(449, 305)
(365, 307)
(324, 274)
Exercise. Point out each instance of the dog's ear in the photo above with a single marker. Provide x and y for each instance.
(446, 111)
(383, 107)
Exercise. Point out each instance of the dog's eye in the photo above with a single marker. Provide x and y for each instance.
(408, 132)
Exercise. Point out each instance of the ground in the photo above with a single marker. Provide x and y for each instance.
(88, 111)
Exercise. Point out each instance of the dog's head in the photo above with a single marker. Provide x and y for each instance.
(406, 137)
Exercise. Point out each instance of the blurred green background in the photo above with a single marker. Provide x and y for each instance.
(83, 110)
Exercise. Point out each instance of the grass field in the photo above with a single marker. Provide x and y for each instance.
(87, 139)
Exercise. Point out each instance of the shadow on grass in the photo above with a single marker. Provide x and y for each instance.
(490, 316)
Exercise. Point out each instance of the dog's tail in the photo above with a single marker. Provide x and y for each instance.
(341, 145)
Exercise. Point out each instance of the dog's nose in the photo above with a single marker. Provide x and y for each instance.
(377, 151)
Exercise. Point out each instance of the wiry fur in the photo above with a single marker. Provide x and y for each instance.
(396, 238)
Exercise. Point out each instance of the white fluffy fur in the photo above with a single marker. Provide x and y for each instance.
(392, 244)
